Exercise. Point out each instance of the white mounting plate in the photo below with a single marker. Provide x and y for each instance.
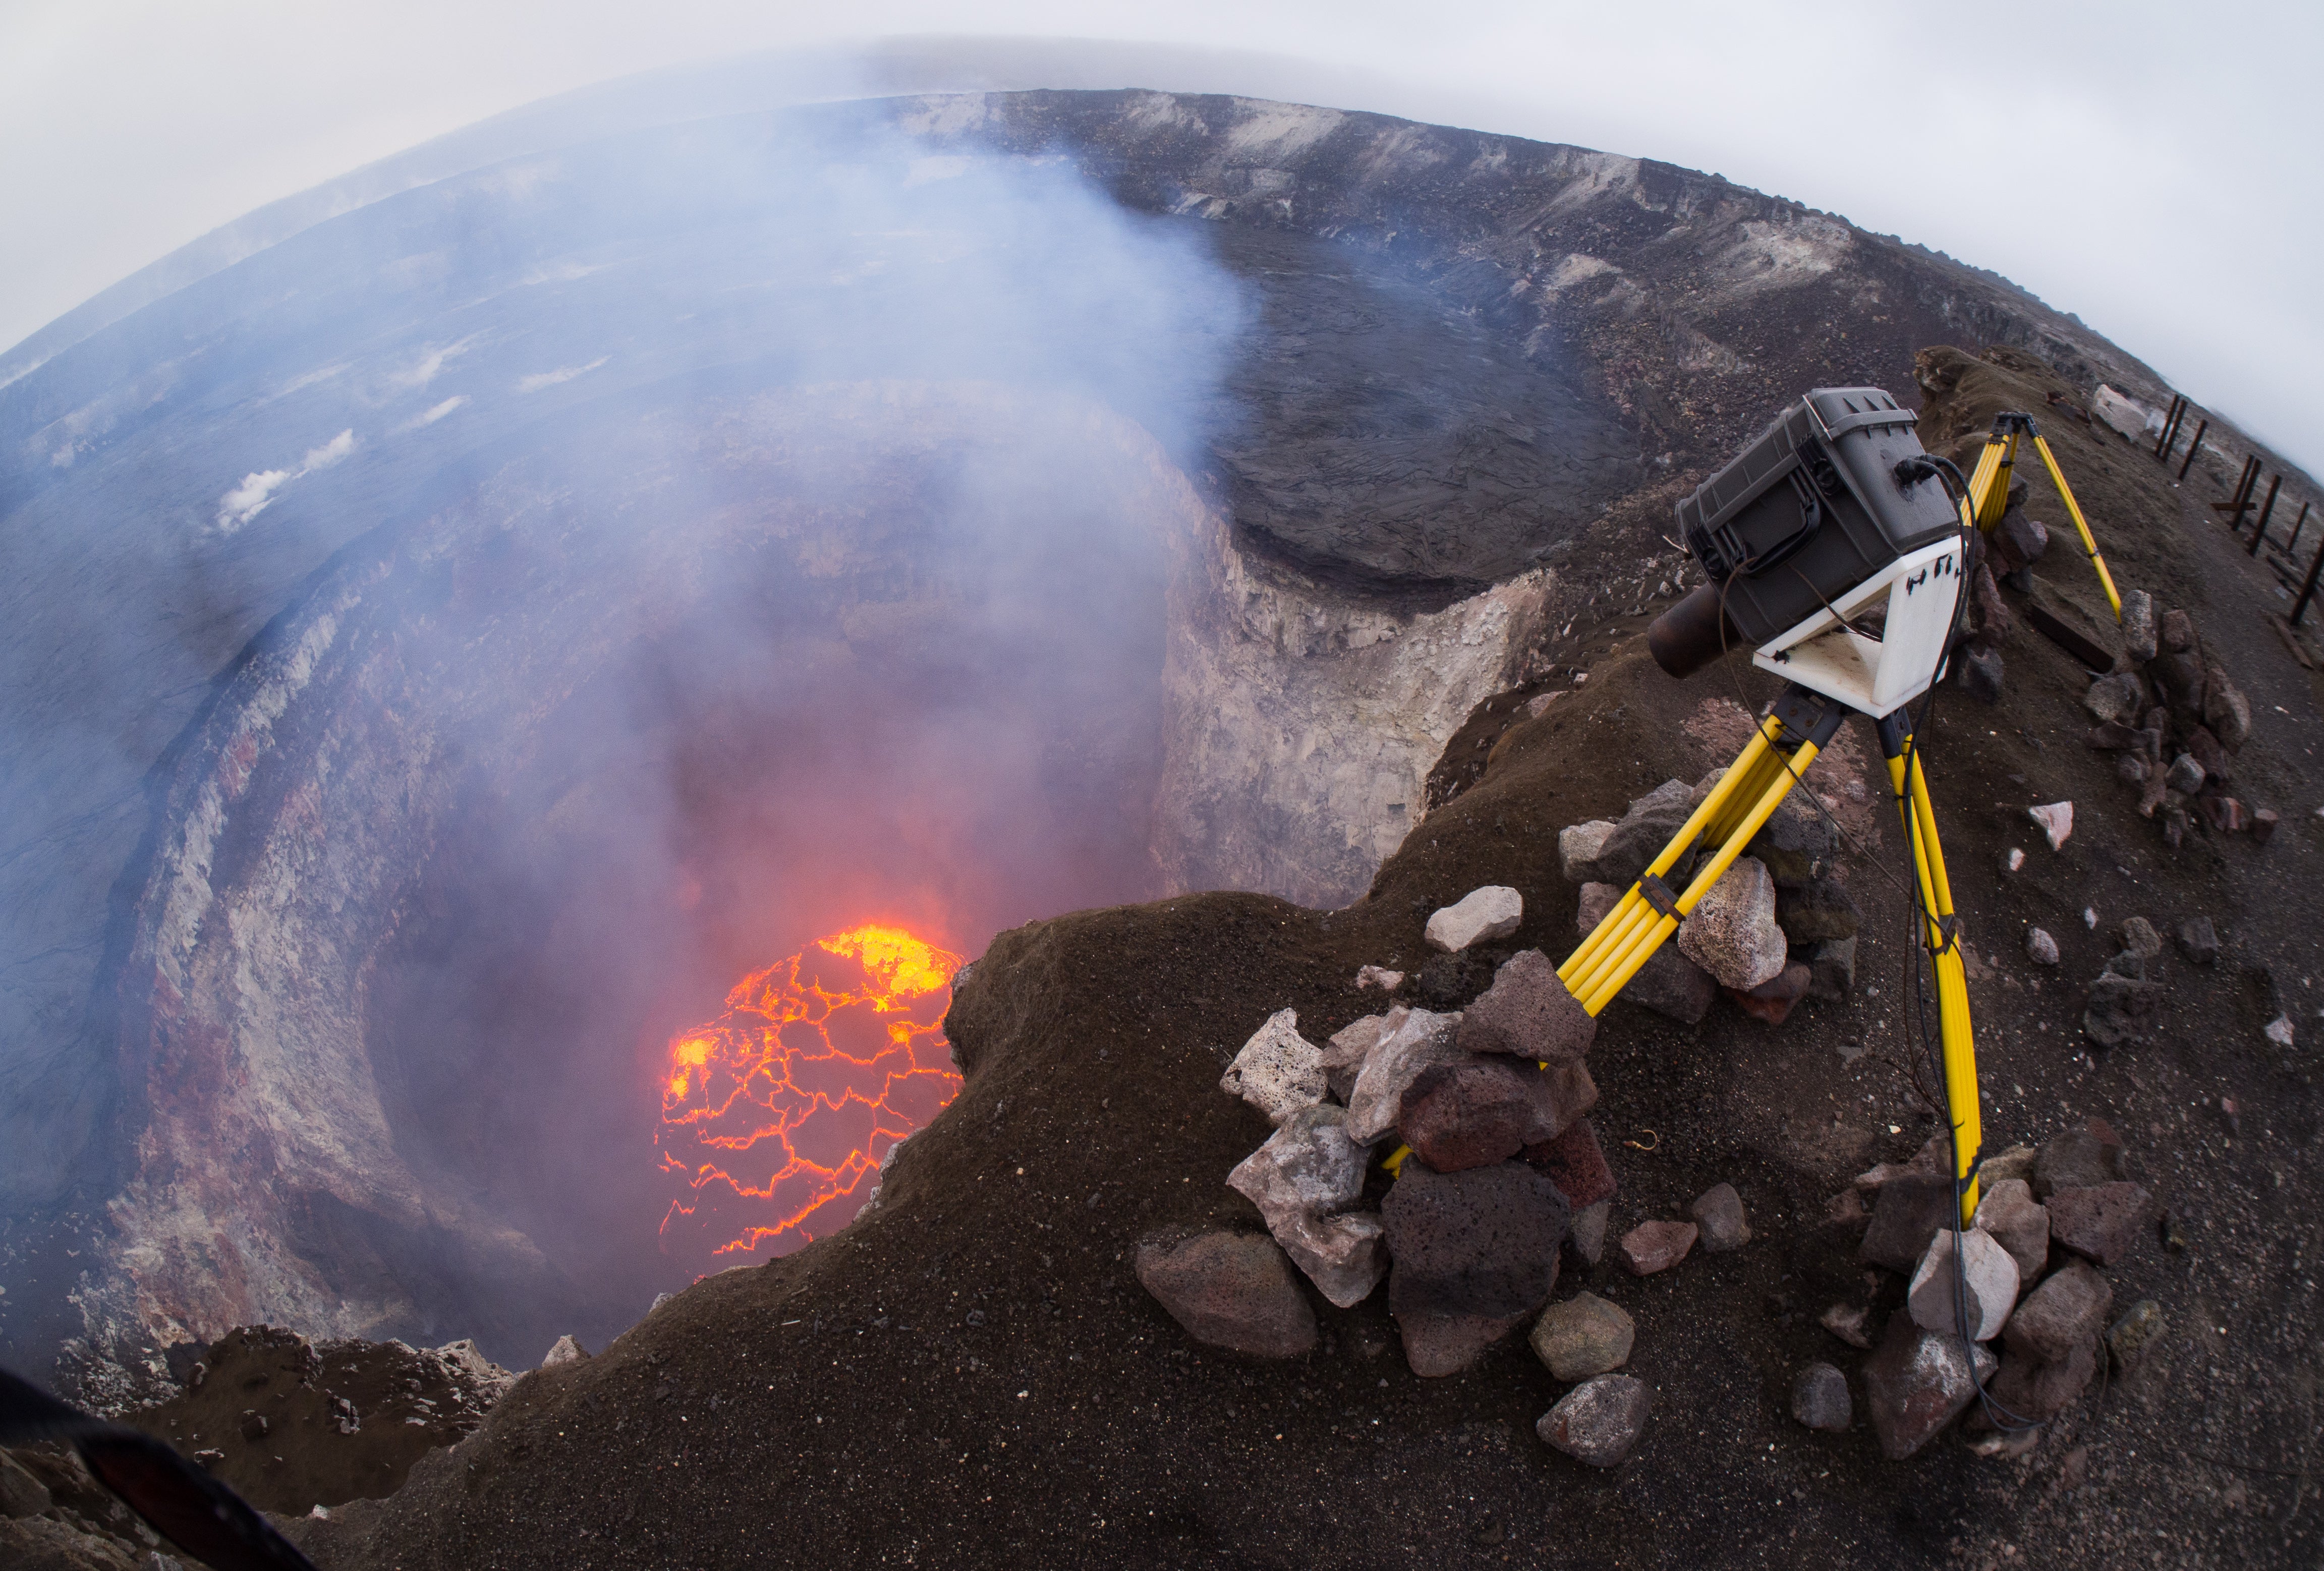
(1877, 675)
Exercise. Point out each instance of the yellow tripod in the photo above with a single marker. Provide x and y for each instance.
(1989, 488)
(1801, 725)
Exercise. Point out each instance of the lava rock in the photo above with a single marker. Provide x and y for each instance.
(2056, 820)
(2121, 1009)
(1820, 1399)
(1419, 1041)
(2128, 963)
(1529, 1014)
(1306, 1172)
(1717, 1214)
(1351, 1045)
(1980, 669)
(2040, 947)
(1772, 1001)
(2185, 776)
(2121, 697)
(1482, 1242)
(2226, 814)
(2113, 736)
(1438, 1343)
(1851, 1323)
(1235, 1290)
(1993, 619)
(2039, 1389)
(2078, 1158)
(2020, 541)
(1582, 1336)
(2226, 710)
(2008, 1212)
(2139, 937)
(2132, 769)
(2099, 1223)
(1448, 981)
(1576, 1164)
(2198, 941)
(1484, 1110)
(1578, 846)
(1731, 932)
(1817, 912)
(1278, 1071)
(1918, 1382)
(2263, 825)
(2178, 631)
(1669, 983)
(1832, 969)
(2141, 638)
(1908, 1214)
(1479, 915)
(1380, 976)
(2016, 1163)
(1588, 1238)
(20, 1493)
(2206, 750)
(2061, 1315)
(1978, 1294)
(1599, 1421)
(2138, 1330)
(1641, 835)
(1653, 1246)
(1795, 845)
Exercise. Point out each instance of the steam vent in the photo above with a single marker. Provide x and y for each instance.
(903, 778)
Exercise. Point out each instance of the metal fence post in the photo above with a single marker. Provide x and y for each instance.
(2294, 543)
(2308, 589)
(2200, 427)
(2266, 510)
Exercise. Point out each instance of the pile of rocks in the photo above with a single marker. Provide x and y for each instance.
(2026, 1274)
(2176, 722)
(1777, 927)
(1481, 1115)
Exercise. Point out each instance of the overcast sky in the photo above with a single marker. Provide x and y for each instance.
(2150, 167)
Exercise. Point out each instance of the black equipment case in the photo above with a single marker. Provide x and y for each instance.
(1814, 508)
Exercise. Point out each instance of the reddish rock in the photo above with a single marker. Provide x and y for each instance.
(1653, 1246)
(2100, 1222)
(2077, 1158)
(1470, 1115)
(1438, 1343)
(1529, 1013)
(1576, 1164)
(1910, 1210)
(2063, 1313)
(1772, 1001)
(1236, 1291)
(2039, 1390)
(1917, 1382)
(2226, 814)
(2205, 749)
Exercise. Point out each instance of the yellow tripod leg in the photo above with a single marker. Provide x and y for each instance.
(1746, 796)
(1988, 482)
(2090, 544)
(1956, 1036)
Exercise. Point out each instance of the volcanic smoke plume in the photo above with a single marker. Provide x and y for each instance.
(777, 1113)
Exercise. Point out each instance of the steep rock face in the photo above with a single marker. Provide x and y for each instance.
(1300, 725)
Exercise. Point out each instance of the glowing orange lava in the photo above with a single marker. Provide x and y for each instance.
(778, 1114)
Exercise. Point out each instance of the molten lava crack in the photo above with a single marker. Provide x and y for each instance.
(776, 1112)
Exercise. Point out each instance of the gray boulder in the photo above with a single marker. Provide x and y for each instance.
(1796, 843)
(2198, 941)
(2227, 712)
(1639, 838)
(1820, 1399)
(1441, 1342)
(1529, 1013)
(1917, 1381)
(2178, 631)
(1479, 916)
(2121, 1009)
(2040, 947)
(1976, 1294)
(1832, 969)
(1599, 1421)
(1912, 1208)
(1351, 1045)
(2021, 540)
(2139, 937)
(1307, 1172)
(2119, 698)
(2185, 776)
(1980, 671)
(1418, 1041)
(2008, 1212)
(1582, 1336)
(1587, 1234)
(2088, 1154)
(1717, 1214)
(1278, 1071)
(1669, 983)
(1815, 913)
(1578, 846)
(2039, 1389)
(1731, 932)
(1235, 1290)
